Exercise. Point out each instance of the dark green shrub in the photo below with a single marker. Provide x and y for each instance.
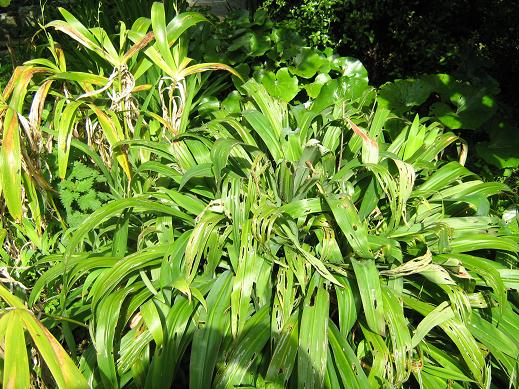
(397, 38)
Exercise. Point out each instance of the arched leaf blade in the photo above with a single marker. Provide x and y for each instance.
(16, 363)
(63, 369)
(66, 124)
(205, 349)
(313, 339)
(348, 365)
(158, 24)
(11, 164)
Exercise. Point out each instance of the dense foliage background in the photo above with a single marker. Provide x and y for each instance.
(475, 41)
(396, 39)
(316, 196)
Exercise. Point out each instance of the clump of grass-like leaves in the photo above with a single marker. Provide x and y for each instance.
(283, 245)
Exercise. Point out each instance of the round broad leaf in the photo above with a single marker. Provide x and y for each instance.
(327, 96)
(441, 83)
(280, 85)
(474, 106)
(329, 52)
(251, 44)
(503, 149)
(446, 85)
(287, 43)
(261, 18)
(470, 109)
(446, 115)
(326, 65)
(259, 44)
(343, 89)
(5, 3)
(402, 95)
(351, 67)
(314, 88)
(500, 156)
(232, 102)
(352, 88)
(307, 63)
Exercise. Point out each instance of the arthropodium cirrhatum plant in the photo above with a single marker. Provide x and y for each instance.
(15, 320)
(104, 111)
(279, 246)
(296, 246)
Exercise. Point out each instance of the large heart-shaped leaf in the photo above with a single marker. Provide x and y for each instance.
(469, 107)
(314, 88)
(402, 95)
(503, 149)
(350, 67)
(280, 85)
(307, 63)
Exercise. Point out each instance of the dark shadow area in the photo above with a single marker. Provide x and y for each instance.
(399, 39)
